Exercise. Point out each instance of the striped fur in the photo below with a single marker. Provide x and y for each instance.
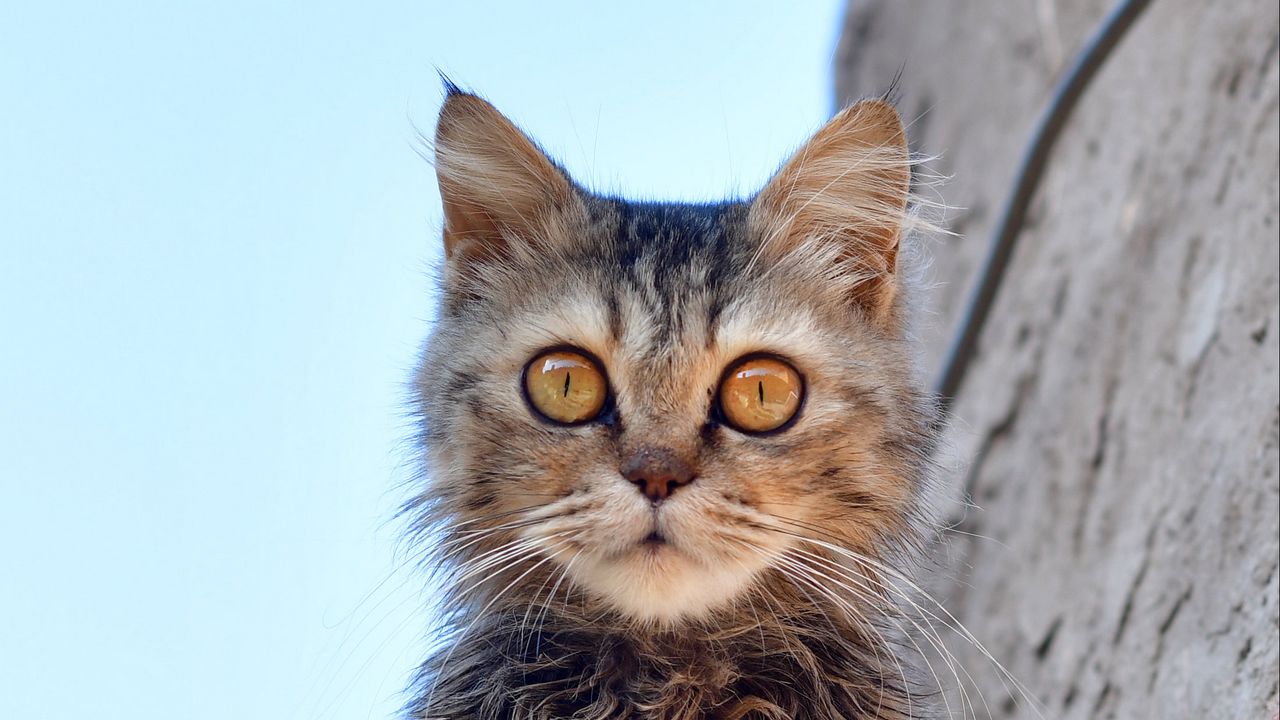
(780, 591)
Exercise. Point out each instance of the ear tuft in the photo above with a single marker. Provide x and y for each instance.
(846, 189)
(450, 87)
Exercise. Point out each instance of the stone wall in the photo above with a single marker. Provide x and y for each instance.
(1118, 433)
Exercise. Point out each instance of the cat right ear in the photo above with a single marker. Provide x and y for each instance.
(845, 190)
(495, 184)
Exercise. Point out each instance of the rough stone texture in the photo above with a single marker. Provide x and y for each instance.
(1119, 430)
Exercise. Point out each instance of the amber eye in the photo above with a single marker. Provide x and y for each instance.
(565, 386)
(760, 394)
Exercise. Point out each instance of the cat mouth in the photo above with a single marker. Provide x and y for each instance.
(654, 539)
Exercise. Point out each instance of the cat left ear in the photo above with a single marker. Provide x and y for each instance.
(495, 184)
(845, 190)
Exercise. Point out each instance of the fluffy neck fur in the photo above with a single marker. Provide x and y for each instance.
(781, 655)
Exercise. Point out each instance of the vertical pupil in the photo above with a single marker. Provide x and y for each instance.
(567, 377)
(760, 388)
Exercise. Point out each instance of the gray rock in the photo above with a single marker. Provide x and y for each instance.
(1118, 432)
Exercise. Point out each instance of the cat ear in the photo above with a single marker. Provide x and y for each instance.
(842, 197)
(495, 183)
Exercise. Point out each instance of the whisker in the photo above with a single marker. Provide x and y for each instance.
(479, 615)
(950, 621)
(929, 634)
(805, 573)
(857, 617)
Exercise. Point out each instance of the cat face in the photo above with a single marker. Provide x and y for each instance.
(655, 402)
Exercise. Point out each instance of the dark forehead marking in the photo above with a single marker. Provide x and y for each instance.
(668, 235)
(614, 313)
(670, 253)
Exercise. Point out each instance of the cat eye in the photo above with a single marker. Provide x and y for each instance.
(760, 394)
(565, 386)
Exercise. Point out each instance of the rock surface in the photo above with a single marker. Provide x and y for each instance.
(1118, 432)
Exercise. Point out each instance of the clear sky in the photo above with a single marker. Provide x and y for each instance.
(215, 249)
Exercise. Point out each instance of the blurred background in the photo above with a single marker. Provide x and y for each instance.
(216, 251)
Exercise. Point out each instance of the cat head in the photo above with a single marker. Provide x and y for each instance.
(657, 403)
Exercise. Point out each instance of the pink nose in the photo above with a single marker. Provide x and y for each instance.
(656, 472)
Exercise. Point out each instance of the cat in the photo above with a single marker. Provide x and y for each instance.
(677, 456)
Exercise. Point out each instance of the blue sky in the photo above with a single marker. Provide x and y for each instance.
(216, 241)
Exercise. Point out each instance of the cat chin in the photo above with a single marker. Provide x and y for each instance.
(663, 586)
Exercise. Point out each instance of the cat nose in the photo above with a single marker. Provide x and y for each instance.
(656, 472)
